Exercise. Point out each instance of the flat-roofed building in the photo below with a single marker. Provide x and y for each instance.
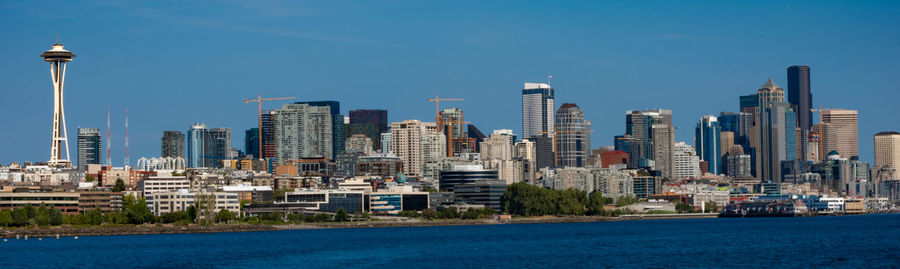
(104, 200)
(327, 200)
(66, 202)
(164, 184)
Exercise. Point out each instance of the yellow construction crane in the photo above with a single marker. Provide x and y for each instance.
(437, 107)
(259, 101)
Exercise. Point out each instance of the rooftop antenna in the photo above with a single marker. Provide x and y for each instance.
(127, 162)
(108, 153)
(549, 77)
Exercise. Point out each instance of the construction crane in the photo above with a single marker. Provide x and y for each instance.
(555, 160)
(450, 137)
(437, 107)
(259, 101)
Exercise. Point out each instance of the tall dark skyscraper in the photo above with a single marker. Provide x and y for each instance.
(369, 122)
(251, 142)
(172, 144)
(88, 147)
(799, 95)
(800, 98)
(337, 126)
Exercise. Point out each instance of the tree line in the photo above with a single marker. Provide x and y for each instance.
(523, 199)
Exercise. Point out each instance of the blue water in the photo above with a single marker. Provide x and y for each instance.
(868, 241)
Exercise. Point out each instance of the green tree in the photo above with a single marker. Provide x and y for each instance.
(136, 211)
(341, 215)
(712, 207)
(6, 218)
(595, 204)
(571, 202)
(429, 213)
(20, 217)
(56, 217)
(448, 213)
(225, 216)
(42, 216)
(409, 214)
(191, 212)
(294, 217)
(120, 185)
(428, 189)
(29, 211)
(322, 217)
(94, 217)
(684, 208)
(89, 178)
(625, 200)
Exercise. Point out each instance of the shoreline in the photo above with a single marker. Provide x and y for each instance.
(146, 229)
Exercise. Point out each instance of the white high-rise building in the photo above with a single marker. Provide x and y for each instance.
(386, 142)
(416, 142)
(537, 110)
(303, 131)
(687, 163)
(499, 146)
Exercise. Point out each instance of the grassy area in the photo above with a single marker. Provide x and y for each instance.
(661, 212)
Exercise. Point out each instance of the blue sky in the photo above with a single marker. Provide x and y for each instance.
(173, 63)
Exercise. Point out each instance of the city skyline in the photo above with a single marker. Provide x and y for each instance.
(171, 102)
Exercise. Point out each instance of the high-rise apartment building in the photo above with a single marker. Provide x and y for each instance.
(573, 136)
(707, 140)
(369, 122)
(499, 146)
(846, 129)
(687, 163)
(172, 144)
(414, 142)
(268, 135)
(663, 145)
(89, 147)
(537, 110)
(386, 142)
(196, 145)
(336, 125)
(800, 98)
(303, 131)
(526, 151)
(887, 156)
(218, 147)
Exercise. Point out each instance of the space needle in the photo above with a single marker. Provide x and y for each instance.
(58, 57)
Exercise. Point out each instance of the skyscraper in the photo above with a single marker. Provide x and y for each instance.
(827, 139)
(358, 143)
(218, 147)
(887, 156)
(415, 142)
(369, 122)
(537, 110)
(58, 57)
(573, 140)
(846, 126)
(196, 145)
(768, 95)
(336, 125)
(652, 139)
(251, 142)
(779, 142)
(707, 140)
(303, 131)
(88, 147)
(498, 147)
(800, 98)
(687, 163)
(172, 144)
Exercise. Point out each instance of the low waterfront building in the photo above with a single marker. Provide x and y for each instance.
(66, 202)
(173, 201)
(327, 200)
(106, 201)
(163, 184)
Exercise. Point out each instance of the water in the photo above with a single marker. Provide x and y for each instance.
(868, 241)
